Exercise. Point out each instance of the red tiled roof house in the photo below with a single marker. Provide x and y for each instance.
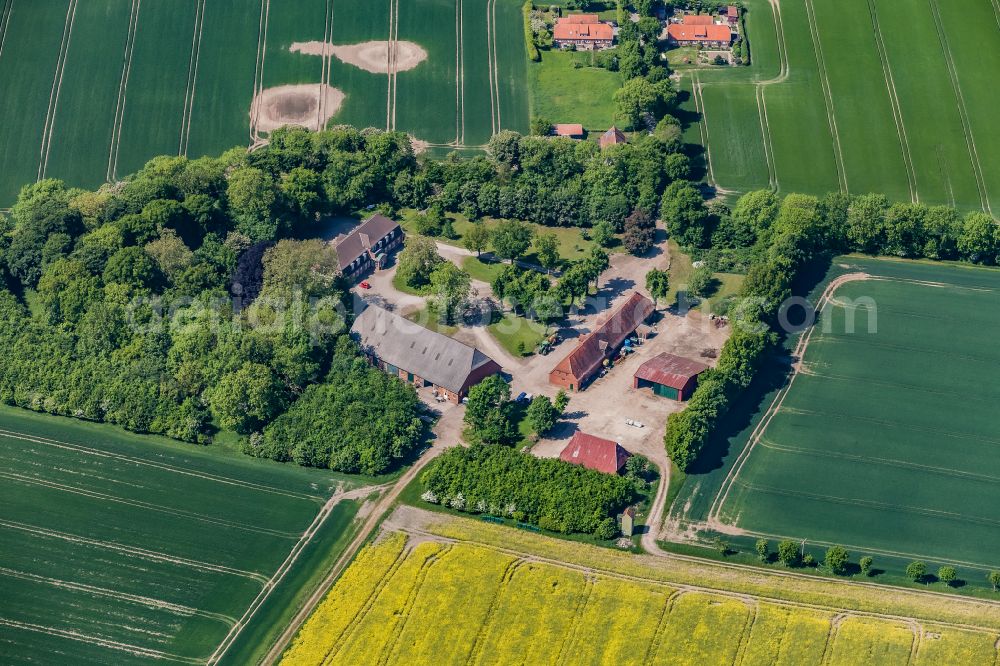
(584, 31)
(732, 14)
(595, 453)
(699, 29)
(581, 364)
(669, 376)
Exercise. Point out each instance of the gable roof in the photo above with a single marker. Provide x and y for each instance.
(583, 361)
(596, 453)
(613, 137)
(699, 33)
(732, 11)
(697, 19)
(568, 129)
(356, 243)
(439, 359)
(583, 27)
(670, 370)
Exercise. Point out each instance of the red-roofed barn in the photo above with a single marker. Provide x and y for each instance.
(595, 453)
(669, 376)
(569, 130)
(581, 364)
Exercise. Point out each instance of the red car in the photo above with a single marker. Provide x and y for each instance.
(365, 285)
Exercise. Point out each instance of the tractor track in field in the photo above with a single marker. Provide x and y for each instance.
(57, 79)
(133, 551)
(390, 100)
(459, 72)
(272, 583)
(963, 112)
(148, 602)
(192, 77)
(79, 637)
(258, 75)
(490, 30)
(116, 131)
(148, 506)
(755, 437)
(79, 448)
(5, 13)
(407, 610)
(827, 95)
(897, 109)
(326, 64)
(494, 72)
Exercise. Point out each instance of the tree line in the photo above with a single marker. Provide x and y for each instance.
(778, 238)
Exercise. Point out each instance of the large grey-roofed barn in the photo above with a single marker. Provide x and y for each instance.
(437, 358)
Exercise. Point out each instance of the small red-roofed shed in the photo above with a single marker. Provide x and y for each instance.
(595, 453)
(669, 376)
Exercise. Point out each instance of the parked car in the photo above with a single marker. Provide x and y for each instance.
(521, 397)
(365, 285)
(634, 424)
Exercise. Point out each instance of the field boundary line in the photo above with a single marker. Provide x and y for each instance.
(678, 589)
(963, 112)
(149, 602)
(758, 432)
(258, 74)
(116, 130)
(135, 650)
(8, 9)
(57, 79)
(897, 110)
(154, 555)
(192, 77)
(149, 463)
(272, 583)
(824, 80)
(181, 513)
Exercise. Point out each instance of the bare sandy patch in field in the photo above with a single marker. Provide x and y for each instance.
(369, 56)
(308, 105)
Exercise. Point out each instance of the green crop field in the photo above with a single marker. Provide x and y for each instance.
(884, 440)
(890, 96)
(122, 549)
(94, 88)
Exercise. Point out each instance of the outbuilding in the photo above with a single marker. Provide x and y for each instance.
(669, 376)
(595, 453)
(568, 130)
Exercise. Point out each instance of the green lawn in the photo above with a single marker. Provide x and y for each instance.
(561, 93)
(179, 540)
(481, 270)
(512, 332)
(572, 245)
(428, 318)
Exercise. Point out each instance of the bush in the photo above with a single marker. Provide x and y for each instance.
(529, 33)
(546, 492)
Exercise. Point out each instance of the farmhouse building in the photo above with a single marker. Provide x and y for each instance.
(669, 376)
(583, 31)
(581, 364)
(595, 453)
(419, 356)
(699, 29)
(732, 14)
(568, 130)
(368, 246)
(612, 137)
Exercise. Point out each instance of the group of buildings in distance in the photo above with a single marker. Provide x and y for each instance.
(425, 358)
(587, 32)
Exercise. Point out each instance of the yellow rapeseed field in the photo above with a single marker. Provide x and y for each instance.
(441, 603)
